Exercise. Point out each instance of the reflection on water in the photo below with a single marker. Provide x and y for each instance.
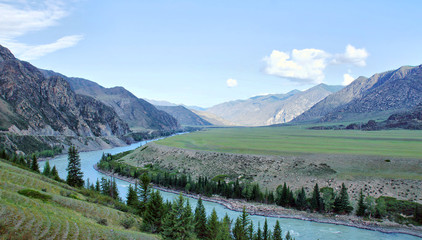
(299, 229)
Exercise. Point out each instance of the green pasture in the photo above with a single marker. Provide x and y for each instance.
(293, 140)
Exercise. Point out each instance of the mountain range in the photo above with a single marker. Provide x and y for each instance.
(184, 116)
(273, 108)
(31, 103)
(138, 113)
(376, 97)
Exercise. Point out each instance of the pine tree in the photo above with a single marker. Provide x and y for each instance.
(97, 186)
(177, 223)
(47, 169)
(301, 200)
(238, 231)
(74, 173)
(289, 237)
(265, 232)
(361, 206)
(258, 232)
(277, 231)
(34, 164)
(143, 190)
(316, 200)
(283, 195)
(224, 231)
(154, 212)
(251, 231)
(200, 220)
(341, 203)
(54, 174)
(212, 225)
(245, 220)
(132, 197)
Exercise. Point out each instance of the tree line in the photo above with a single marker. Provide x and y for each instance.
(321, 200)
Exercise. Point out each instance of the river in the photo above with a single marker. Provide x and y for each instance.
(299, 229)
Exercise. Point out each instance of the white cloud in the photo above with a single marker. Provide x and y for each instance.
(30, 52)
(347, 79)
(20, 17)
(231, 82)
(352, 55)
(306, 65)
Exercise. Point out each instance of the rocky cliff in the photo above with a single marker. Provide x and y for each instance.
(33, 104)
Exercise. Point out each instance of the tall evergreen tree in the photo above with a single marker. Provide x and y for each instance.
(288, 236)
(258, 232)
(177, 223)
(47, 169)
(265, 232)
(154, 213)
(224, 231)
(361, 206)
(301, 200)
(74, 172)
(277, 231)
(97, 186)
(251, 232)
(34, 164)
(132, 197)
(341, 203)
(200, 220)
(144, 189)
(238, 231)
(316, 200)
(213, 225)
(55, 174)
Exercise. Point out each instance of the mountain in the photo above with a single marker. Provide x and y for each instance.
(138, 113)
(160, 102)
(212, 118)
(31, 103)
(273, 108)
(184, 116)
(374, 97)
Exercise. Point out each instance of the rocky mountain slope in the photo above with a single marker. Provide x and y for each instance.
(273, 108)
(377, 96)
(212, 118)
(138, 113)
(34, 104)
(184, 116)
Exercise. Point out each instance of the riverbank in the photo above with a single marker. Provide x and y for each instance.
(274, 211)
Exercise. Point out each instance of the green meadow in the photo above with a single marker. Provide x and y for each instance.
(294, 140)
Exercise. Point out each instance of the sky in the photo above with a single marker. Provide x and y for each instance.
(206, 52)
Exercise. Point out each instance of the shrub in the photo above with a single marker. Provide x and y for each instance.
(34, 194)
(102, 221)
(127, 222)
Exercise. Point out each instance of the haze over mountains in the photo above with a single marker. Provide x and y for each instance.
(273, 108)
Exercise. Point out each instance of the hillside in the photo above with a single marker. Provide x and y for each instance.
(273, 108)
(37, 105)
(212, 118)
(64, 213)
(184, 116)
(377, 96)
(138, 113)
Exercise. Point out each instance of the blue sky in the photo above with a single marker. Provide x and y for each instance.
(207, 52)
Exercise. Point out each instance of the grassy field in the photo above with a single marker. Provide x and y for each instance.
(295, 140)
(58, 216)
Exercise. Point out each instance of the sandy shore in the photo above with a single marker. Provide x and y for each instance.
(275, 211)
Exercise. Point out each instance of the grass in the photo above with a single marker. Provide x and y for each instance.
(294, 140)
(33, 207)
